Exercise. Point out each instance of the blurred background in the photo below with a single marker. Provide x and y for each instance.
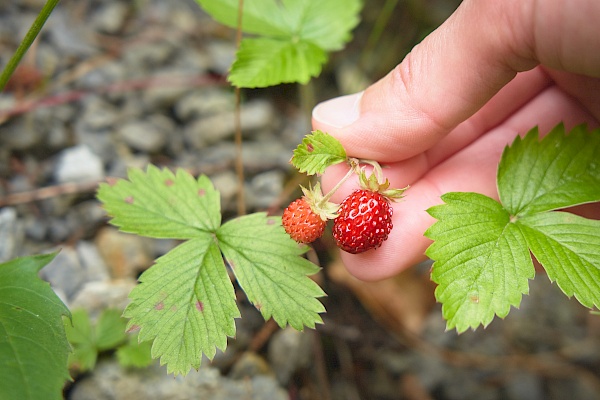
(114, 84)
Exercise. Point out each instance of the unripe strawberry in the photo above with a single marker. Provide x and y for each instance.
(302, 223)
(364, 221)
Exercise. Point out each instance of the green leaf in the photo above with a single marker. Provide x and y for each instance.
(110, 330)
(33, 342)
(557, 172)
(134, 354)
(318, 151)
(295, 37)
(568, 247)
(186, 304)
(80, 334)
(262, 17)
(482, 264)
(263, 62)
(269, 267)
(162, 205)
(326, 23)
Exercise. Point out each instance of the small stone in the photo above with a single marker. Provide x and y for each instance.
(111, 17)
(65, 272)
(204, 102)
(78, 164)
(249, 365)
(148, 136)
(255, 115)
(265, 189)
(96, 296)
(125, 255)
(11, 234)
(289, 350)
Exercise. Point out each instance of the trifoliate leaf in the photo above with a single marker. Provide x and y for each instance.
(295, 37)
(186, 304)
(326, 23)
(33, 343)
(482, 264)
(134, 354)
(269, 267)
(159, 204)
(318, 151)
(568, 247)
(263, 62)
(557, 172)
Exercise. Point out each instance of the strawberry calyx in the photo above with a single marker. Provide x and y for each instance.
(320, 203)
(376, 182)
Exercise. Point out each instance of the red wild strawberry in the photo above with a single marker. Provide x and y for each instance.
(364, 221)
(302, 223)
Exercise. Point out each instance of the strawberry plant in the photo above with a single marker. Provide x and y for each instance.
(482, 248)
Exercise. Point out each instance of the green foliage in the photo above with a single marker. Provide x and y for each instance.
(185, 303)
(482, 247)
(33, 344)
(318, 151)
(88, 340)
(294, 37)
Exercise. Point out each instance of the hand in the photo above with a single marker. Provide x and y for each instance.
(442, 117)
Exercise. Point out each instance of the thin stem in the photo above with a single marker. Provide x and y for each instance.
(353, 170)
(376, 168)
(35, 29)
(239, 162)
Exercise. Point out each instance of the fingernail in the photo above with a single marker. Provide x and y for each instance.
(339, 112)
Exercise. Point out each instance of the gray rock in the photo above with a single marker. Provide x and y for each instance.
(111, 17)
(16, 135)
(91, 261)
(289, 350)
(226, 183)
(148, 136)
(98, 115)
(11, 234)
(111, 381)
(78, 164)
(204, 102)
(70, 39)
(64, 273)
(96, 296)
(255, 115)
(265, 189)
(222, 54)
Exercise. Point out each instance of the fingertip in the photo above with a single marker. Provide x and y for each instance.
(337, 113)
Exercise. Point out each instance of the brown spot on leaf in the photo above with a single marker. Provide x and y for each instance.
(199, 306)
(270, 221)
(112, 181)
(474, 298)
(159, 306)
(133, 328)
(129, 199)
(201, 192)
(310, 148)
(169, 182)
(173, 308)
(258, 306)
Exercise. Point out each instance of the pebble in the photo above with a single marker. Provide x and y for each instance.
(110, 18)
(78, 164)
(289, 350)
(96, 296)
(148, 136)
(109, 381)
(126, 255)
(11, 234)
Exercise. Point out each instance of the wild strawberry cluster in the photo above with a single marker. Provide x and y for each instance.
(361, 222)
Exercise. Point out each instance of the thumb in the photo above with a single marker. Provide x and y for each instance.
(444, 80)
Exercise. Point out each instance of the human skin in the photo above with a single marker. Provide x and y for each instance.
(440, 120)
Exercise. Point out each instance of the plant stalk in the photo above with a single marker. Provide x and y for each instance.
(33, 32)
(239, 161)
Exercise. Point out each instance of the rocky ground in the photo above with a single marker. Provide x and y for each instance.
(117, 84)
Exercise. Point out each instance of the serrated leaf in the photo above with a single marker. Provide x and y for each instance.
(186, 304)
(568, 247)
(33, 342)
(110, 329)
(557, 172)
(481, 262)
(134, 354)
(263, 62)
(159, 204)
(269, 267)
(318, 151)
(326, 23)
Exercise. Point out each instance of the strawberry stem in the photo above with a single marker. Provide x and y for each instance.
(376, 168)
(353, 170)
